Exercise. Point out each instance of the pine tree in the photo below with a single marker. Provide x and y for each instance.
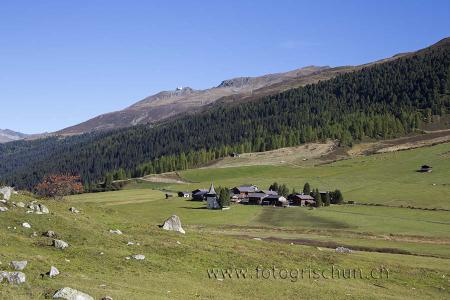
(317, 198)
(306, 189)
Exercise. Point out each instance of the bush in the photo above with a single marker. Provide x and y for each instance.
(58, 186)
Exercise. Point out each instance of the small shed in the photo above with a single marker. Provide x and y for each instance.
(426, 169)
(184, 194)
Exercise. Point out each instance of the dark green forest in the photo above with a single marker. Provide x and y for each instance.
(380, 101)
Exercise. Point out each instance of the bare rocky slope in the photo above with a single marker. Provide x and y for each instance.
(7, 135)
(167, 104)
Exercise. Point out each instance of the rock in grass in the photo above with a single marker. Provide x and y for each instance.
(115, 231)
(107, 298)
(138, 257)
(50, 234)
(26, 225)
(42, 208)
(74, 210)
(20, 204)
(6, 191)
(71, 294)
(343, 250)
(13, 277)
(18, 265)
(53, 272)
(60, 244)
(173, 223)
(3, 209)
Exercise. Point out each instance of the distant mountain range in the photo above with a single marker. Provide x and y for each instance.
(7, 135)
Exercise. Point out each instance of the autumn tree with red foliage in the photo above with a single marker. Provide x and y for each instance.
(58, 186)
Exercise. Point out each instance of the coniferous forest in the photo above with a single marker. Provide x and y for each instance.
(380, 101)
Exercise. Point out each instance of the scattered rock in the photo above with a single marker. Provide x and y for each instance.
(6, 191)
(257, 239)
(50, 234)
(53, 272)
(18, 265)
(20, 204)
(42, 208)
(127, 258)
(71, 294)
(343, 250)
(13, 277)
(130, 243)
(74, 210)
(102, 253)
(26, 225)
(60, 244)
(107, 298)
(178, 242)
(115, 231)
(138, 257)
(173, 223)
(3, 209)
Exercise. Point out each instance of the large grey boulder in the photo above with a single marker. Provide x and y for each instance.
(71, 294)
(42, 208)
(13, 277)
(60, 244)
(18, 265)
(6, 191)
(26, 225)
(20, 204)
(173, 223)
(3, 209)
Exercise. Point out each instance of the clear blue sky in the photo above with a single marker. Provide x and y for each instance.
(62, 62)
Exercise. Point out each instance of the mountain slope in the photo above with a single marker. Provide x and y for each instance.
(182, 100)
(7, 135)
(379, 101)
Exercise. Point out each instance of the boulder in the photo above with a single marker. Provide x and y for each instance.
(18, 265)
(3, 209)
(53, 272)
(42, 208)
(50, 234)
(115, 231)
(6, 191)
(71, 294)
(20, 204)
(343, 250)
(26, 225)
(74, 210)
(107, 298)
(13, 277)
(60, 244)
(138, 257)
(173, 223)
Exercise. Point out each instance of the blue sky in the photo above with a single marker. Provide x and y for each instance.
(63, 62)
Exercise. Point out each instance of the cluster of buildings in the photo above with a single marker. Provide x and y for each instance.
(249, 195)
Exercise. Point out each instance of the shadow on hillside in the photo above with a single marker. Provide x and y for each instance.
(187, 207)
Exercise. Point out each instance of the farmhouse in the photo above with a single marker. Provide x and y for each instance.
(212, 201)
(245, 190)
(256, 198)
(275, 200)
(199, 194)
(301, 200)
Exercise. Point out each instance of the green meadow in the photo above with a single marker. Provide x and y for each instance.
(413, 244)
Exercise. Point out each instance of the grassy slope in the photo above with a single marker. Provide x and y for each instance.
(388, 178)
(181, 268)
(219, 238)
